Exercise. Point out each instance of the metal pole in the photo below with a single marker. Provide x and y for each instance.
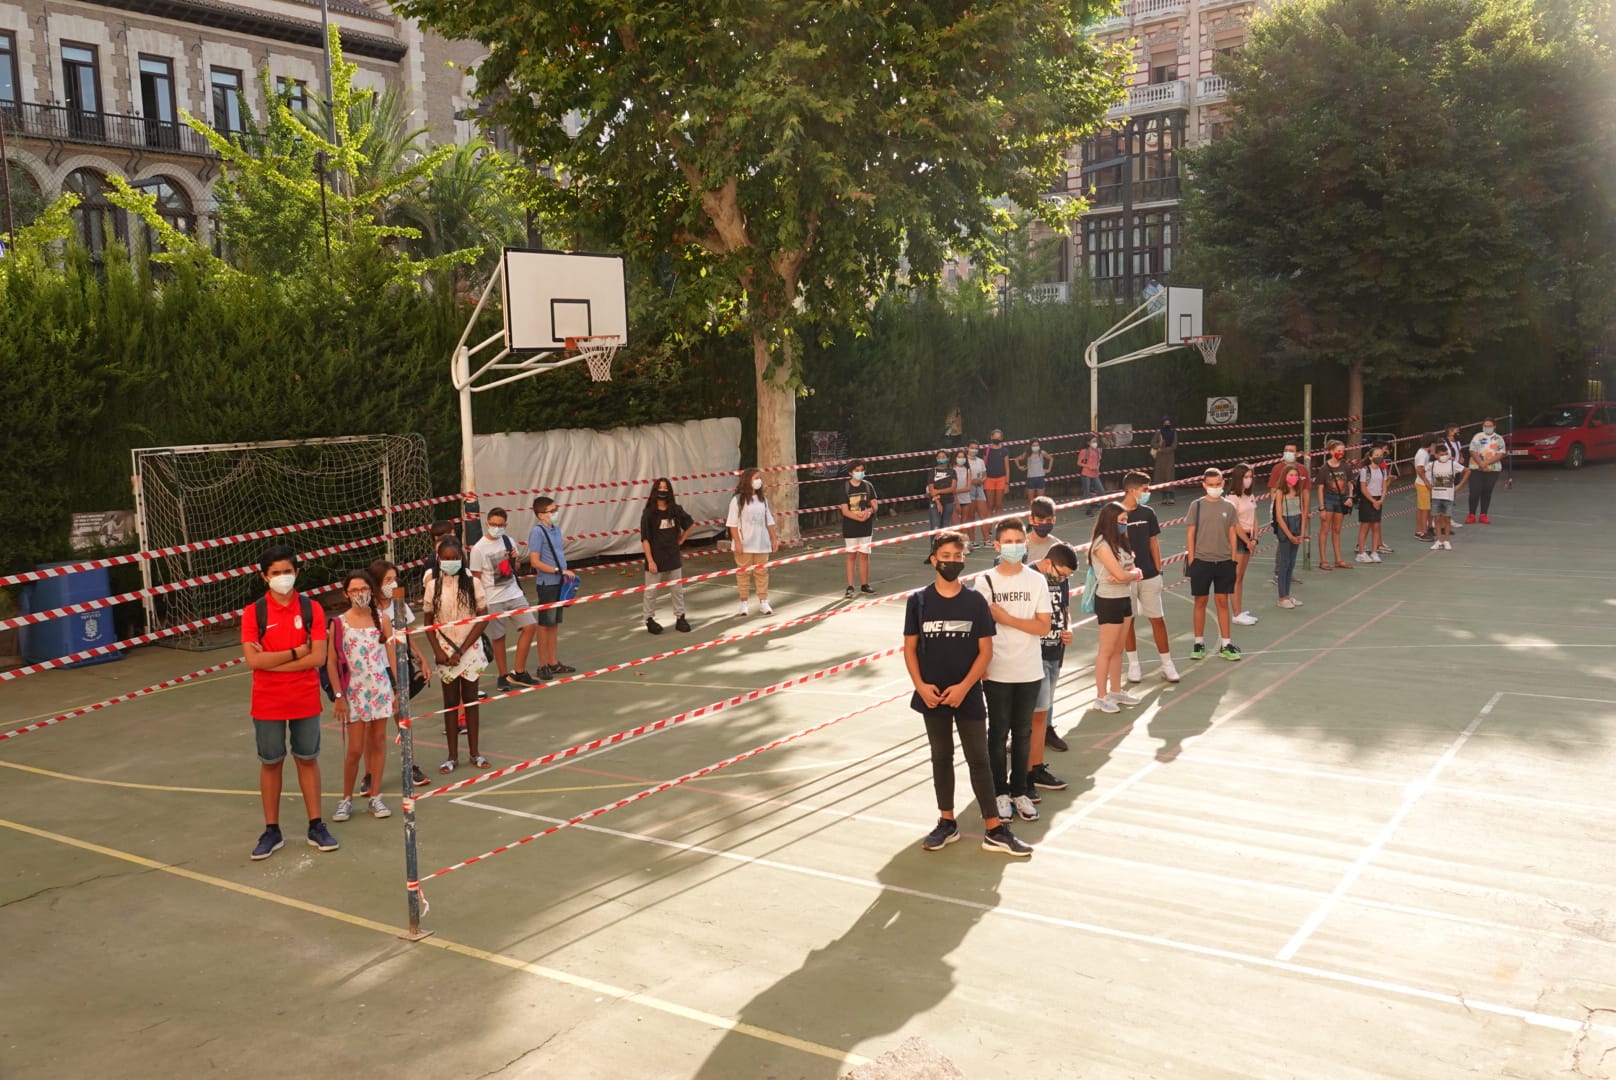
(5, 182)
(406, 768)
(470, 521)
(1094, 398)
(1509, 456)
(325, 48)
(1307, 463)
(325, 218)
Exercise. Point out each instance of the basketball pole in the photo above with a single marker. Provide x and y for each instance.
(1091, 354)
(1307, 462)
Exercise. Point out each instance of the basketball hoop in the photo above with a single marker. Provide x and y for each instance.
(597, 353)
(1208, 346)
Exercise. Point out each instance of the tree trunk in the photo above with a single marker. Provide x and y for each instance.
(1355, 426)
(777, 431)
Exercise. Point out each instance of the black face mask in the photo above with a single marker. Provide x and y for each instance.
(663, 496)
(949, 571)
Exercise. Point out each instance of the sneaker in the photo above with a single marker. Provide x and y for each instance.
(1053, 741)
(1025, 810)
(764, 608)
(1105, 704)
(847, 593)
(1485, 520)
(1134, 674)
(1122, 697)
(268, 844)
(1034, 794)
(1246, 618)
(682, 625)
(1436, 546)
(866, 589)
(1470, 519)
(524, 678)
(344, 810)
(1362, 557)
(1286, 602)
(1168, 671)
(1005, 842)
(1460, 524)
(364, 785)
(1383, 550)
(378, 809)
(946, 832)
(1040, 776)
(1198, 651)
(1006, 808)
(652, 626)
(545, 674)
(563, 669)
(418, 776)
(503, 684)
(1295, 602)
(743, 609)
(320, 837)
(1447, 545)
(1374, 556)
(1230, 651)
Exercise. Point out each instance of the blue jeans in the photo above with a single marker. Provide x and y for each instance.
(1092, 486)
(1285, 559)
(943, 517)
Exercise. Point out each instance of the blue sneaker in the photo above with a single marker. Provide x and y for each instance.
(320, 837)
(268, 844)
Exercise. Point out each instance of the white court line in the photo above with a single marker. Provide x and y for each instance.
(1536, 1019)
(1561, 697)
(1356, 870)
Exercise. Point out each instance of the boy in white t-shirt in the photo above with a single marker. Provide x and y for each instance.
(1019, 601)
(1447, 476)
(494, 562)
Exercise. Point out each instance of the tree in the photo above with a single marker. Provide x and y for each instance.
(1360, 208)
(787, 156)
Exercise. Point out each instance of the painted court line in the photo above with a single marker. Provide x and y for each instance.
(1561, 697)
(1368, 854)
(592, 986)
(1537, 1019)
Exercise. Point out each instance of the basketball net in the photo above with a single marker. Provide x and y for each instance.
(1208, 346)
(597, 354)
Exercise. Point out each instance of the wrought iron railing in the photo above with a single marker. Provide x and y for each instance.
(63, 123)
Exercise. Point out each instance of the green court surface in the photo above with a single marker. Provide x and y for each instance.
(1379, 846)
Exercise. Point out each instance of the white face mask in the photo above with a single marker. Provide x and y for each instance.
(1290, 455)
(494, 532)
(450, 567)
(281, 584)
(1214, 492)
(757, 483)
(360, 600)
(1248, 483)
(1487, 429)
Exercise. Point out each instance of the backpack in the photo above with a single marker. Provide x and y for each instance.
(1091, 585)
(305, 608)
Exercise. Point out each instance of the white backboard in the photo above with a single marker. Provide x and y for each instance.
(1183, 315)
(553, 295)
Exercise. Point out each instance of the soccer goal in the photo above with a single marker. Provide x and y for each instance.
(186, 494)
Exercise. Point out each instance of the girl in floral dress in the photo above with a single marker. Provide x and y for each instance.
(360, 668)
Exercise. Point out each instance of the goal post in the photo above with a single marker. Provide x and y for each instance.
(187, 494)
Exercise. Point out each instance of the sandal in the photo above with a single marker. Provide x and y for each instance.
(1324, 568)
(448, 767)
(480, 761)
(1343, 566)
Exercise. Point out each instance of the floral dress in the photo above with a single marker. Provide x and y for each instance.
(370, 678)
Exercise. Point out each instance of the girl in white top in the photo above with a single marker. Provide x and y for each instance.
(1241, 480)
(1111, 556)
(752, 537)
(452, 594)
(391, 601)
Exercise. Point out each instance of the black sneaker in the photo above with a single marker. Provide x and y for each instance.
(418, 776)
(652, 626)
(1042, 777)
(1198, 651)
(546, 674)
(320, 837)
(847, 593)
(946, 832)
(1002, 840)
(268, 844)
(866, 589)
(524, 678)
(563, 669)
(503, 684)
(1053, 741)
(682, 625)
(1032, 793)
(364, 787)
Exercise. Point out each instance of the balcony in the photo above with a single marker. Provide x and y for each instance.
(1135, 12)
(1051, 292)
(1210, 88)
(1156, 97)
(62, 124)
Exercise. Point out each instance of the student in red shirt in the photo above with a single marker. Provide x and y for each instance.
(285, 655)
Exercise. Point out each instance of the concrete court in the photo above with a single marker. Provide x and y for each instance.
(1381, 846)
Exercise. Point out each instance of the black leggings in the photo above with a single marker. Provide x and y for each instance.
(973, 731)
(1481, 490)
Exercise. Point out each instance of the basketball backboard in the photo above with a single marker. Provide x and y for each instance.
(1183, 315)
(551, 296)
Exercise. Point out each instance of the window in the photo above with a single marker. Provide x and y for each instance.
(1163, 66)
(1228, 42)
(294, 91)
(81, 82)
(8, 69)
(96, 220)
(157, 102)
(172, 206)
(226, 101)
(1143, 155)
(1121, 258)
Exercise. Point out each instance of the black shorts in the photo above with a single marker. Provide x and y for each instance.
(1241, 547)
(1368, 513)
(1112, 610)
(1207, 577)
(548, 594)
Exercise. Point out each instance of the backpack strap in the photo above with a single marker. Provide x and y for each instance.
(305, 607)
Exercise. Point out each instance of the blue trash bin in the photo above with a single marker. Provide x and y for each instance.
(69, 633)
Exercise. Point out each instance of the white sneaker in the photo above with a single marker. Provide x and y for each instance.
(1246, 618)
(1025, 810)
(1295, 602)
(1105, 704)
(1361, 557)
(1006, 808)
(764, 608)
(1135, 675)
(1457, 524)
(1437, 546)
(1374, 556)
(344, 810)
(378, 808)
(1168, 671)
(1122, 697)
(1447, 545)
(744, 609)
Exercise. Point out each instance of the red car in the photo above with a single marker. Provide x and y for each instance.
(1567, 434)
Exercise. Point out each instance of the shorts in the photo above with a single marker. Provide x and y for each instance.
(1112, 610)
(1241, 547)
(1207, 576)
(548, 594)
(1368, 513)
(964, 499)
(860, 544)
(1046, 689)
(1147, 597)
(996, 483)
(1422, 496)
(272, 736)
(1035, 483)
(1334, 503)
(495, 628)
(1441, 507)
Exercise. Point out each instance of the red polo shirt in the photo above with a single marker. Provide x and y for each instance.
(284, 695)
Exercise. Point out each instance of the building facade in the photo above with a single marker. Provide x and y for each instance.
(93, 87)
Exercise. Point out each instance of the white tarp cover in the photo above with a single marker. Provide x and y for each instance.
(519, 460)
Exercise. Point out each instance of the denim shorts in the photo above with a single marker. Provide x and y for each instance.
(272, 736)
(1334, 503)
(1441, 507)
(1046, 689)
(548, 594)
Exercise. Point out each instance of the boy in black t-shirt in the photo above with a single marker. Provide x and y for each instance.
(947, 643)
(858, 512)
(664, 524)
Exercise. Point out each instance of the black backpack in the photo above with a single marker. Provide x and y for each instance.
(305, 608)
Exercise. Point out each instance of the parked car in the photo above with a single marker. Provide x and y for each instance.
(1567, 434)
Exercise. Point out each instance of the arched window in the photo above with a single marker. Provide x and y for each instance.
(96, 220)
(172, 206)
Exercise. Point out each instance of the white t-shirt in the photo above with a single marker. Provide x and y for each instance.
(1422, 460)
(1442, 474)
(1017, 655)
(486, 555)
(753, 521)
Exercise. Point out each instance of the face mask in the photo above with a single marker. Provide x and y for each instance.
(450, 567)
(1012, 553)
(1335, 455)
(1094, 446)
(1122, 528)
(1290, 455)
(1377, 457)
(957, 461)
(1214, 492)
(1293, 479)
(858, 476)
(1248, 484)
(1044, 530)
(281, 584)
(949, 571)
(663, 496)
(944, 461)
(494, 532)
(389, 587)
(1442, 459)
(1487, 429)
(973, 453)
(1144, 497)
(360, 600)
(1035, 448)
(757, 483)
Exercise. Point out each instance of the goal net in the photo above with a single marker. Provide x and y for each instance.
(186, 494)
